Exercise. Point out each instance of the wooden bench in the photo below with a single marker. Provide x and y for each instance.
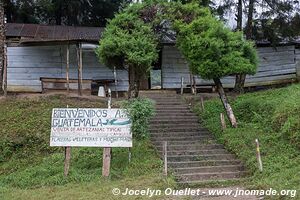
(59, 84)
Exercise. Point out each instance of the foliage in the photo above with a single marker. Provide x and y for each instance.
(62, 12)
(140, 111)
(211, 49)
(272, 117)
(26, 123)
(129, 43)
(127, 40)
(27, 160)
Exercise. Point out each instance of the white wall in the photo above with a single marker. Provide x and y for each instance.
(27, 64)
(275, 65)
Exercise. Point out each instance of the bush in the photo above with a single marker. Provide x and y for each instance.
(140, 111)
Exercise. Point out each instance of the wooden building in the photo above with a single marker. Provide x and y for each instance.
(42, 57)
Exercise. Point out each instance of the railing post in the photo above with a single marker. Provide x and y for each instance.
(260, 166)
(165, 154)
(181, 90)
(109, 99)
(202, 103)
(223, 123)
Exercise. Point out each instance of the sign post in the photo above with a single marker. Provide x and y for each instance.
(67, 158)
(90, 127)
(107, 150)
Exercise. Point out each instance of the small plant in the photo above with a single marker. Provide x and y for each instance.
(140, 111)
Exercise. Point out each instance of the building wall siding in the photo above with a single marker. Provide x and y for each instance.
(275, 66)
(27, 64)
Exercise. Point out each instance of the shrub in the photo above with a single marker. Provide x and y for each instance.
(140, 111)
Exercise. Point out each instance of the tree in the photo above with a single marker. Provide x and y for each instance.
(213, 51)
(128, 43)
(2, 42)
(239, 78)
(62, 12)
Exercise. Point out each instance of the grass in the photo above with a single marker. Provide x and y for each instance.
(273, 117)
(31, 169)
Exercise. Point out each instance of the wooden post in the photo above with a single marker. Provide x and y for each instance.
(181, 90)
(202, 103)
(116, 82)
(191, 83)
(260, 166)
(194, 85)
(165, 154)
(107, 150)
(5, 70)
(298, 70)
(109, 99)
(223, 123)
(106, 161)
(129, 155)
(79, 57)
(67, 68)
(67, 160)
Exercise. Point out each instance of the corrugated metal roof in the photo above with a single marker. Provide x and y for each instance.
(37, 33)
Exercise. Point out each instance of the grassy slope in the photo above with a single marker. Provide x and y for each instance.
(273, 117)
(30, 169)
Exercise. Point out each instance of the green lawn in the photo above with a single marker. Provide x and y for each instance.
(272, 116)
(31, 169)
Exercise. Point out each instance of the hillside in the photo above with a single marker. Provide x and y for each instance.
(272, 116)
(31, 169)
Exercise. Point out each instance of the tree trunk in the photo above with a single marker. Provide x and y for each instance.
(2, 42)
(134, 83)
(239, 83)
(238, 87)
(240, 78)
(239, 17)
(131, 75)
(137, 87)
(226, 105)
(249, 27)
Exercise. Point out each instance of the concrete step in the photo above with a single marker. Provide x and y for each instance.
(166, 99)
(190, 147)
(167, 103)
(209, 176)
(163, 97)
(172, 110)
(195, 152)
(173, 121)
(162, 92)
(179, 158)
(189, 141)
(158, 117)
(169, 138)
(188, 164)
(167, 106)
(177, 125)
(178, 114)
(206, 183)
(209, 169)
(176, 129)
(180, 134)
(204, 141)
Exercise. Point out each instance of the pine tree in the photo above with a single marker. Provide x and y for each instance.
(2, 40)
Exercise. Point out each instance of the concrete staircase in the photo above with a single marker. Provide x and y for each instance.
(193, 154)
